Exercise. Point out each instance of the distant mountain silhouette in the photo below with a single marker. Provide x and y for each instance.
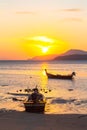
(72, 57)
(73, 54)
(44, 57)
(74, 51)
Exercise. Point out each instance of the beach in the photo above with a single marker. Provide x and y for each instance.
(66, 107)
(43, 50)
(14, 120)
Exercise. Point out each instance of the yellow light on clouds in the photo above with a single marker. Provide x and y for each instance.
(39, 45)
(42, 39)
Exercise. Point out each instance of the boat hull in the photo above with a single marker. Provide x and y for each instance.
(59, 77)
(34, 107)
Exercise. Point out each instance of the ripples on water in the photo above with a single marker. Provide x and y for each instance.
(65, 96)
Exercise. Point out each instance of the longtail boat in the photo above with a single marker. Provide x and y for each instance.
(59, 76)
(38, 107)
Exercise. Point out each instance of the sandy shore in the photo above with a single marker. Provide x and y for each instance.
(32, 121)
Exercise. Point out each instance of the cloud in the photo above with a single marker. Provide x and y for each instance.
(72, 10)
(43, 41)
(40, 40)
(26, 12)
(73, 19)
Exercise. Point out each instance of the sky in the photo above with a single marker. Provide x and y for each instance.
(30, 28)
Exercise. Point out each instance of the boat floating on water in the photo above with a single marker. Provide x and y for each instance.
(58, 76)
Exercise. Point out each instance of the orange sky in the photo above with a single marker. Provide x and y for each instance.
(36, 27)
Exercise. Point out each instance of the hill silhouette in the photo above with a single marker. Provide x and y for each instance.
(72, 54)
(44, 57)
(72, 57)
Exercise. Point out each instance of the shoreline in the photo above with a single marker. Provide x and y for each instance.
(14, 120)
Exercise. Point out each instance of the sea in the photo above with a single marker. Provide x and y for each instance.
(62, 96)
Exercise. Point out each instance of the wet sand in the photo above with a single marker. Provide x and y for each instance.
(31, 121)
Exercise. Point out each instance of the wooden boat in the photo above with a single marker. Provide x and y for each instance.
(36, 102)
(58, 76)
(37, 107)
(18, 94)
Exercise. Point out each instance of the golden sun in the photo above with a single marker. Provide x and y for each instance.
(44, 49)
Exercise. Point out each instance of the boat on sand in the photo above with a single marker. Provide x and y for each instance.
(36, 102)
(38, 107)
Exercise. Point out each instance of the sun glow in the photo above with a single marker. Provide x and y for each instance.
(43, 45)
(45, 49)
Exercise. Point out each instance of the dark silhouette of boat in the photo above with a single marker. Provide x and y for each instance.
(36, 102)
(38, 107)
(58, 76)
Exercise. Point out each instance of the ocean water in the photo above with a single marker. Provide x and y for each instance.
(63, 96)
